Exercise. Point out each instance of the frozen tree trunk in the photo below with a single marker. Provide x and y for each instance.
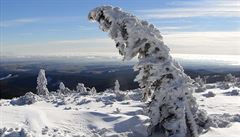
(172, 110)
(42, 83)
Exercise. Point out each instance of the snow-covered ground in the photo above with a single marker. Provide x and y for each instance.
(104, 115)
(223, 103)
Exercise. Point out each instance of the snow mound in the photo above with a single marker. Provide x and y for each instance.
(27, 99)
(234, 92)
(223, 120)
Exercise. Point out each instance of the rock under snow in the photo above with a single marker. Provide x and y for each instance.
(209, 94)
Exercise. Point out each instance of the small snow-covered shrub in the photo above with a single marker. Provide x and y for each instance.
(60, 102)
(224, 85)
(223, 120)
(83, 101)
(200, 89)
(107, 98)
(234, 92)
(238, 83)
(135, 94)
(61, 86)
(27, 99)
(230, 81)
(81, 89)
(209, 94)
(200, 81)
(93, 91)
(200, 84)
(17, 132)
(120, 95)
(117, 111)
(63, 89)
(230, 78)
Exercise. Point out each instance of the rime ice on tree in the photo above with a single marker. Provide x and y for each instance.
(120, 96)
(63, 89)
(81, 89)
(42, 83)
(61, 86)
(117, 86)
(93, 91)
(172, 109)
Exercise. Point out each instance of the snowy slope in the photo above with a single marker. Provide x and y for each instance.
(102, 115)
(222, 103)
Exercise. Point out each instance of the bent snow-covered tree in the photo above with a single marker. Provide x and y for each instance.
(172, 109)
(42, 83)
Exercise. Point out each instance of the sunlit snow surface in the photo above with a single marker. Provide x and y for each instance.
(102, 115)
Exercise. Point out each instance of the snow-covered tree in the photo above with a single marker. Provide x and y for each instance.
(205, 79)
(63, 89)
(93, 91)
(61, 86)
(230, 78)
(199, 80)
(42, 83)
(173, 110)
(81, 89)
(238, 82)
(117, 86)
(200, 84)
(229, 81)
(119, 94)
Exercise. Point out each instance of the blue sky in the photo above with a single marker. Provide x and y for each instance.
(60, 27)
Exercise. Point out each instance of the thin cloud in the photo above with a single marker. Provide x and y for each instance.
(204, 42)
(205, 8)
(23, 21)
(163, 28)
(99, 41)
(17, 22)
(204, 3)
